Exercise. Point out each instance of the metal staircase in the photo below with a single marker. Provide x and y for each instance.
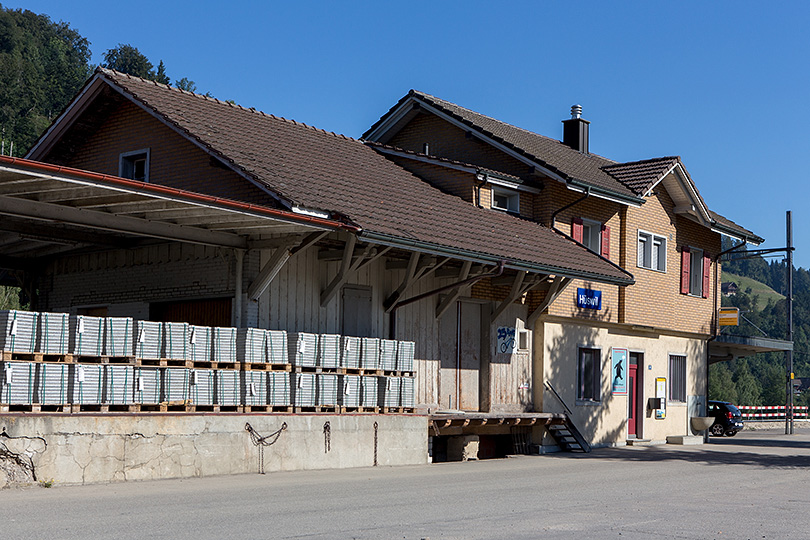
(564, 432)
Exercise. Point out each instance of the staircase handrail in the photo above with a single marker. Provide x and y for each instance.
(553, 391)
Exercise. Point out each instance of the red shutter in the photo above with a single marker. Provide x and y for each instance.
(685, 259)
(707, 269)
(606, 241)
(576, 229)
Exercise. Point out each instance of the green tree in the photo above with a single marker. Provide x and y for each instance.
(160, 75)
(9, 298)
(749, 391)
(721, 383)
(186, 84)
(42, 66)
(128, 59)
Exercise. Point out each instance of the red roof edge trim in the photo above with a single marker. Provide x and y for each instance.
(165, 190)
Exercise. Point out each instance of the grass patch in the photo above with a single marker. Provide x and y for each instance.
(759, 289)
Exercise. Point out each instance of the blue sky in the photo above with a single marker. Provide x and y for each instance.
(722, 84)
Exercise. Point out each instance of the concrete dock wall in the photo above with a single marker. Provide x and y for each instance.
(86, 448)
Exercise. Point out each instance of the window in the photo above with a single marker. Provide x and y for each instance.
(504, 199)
(652, 251)
(593, 235)
(523, 340)
(695, 272)
(134, 165)
(677, 378)
(589, 374)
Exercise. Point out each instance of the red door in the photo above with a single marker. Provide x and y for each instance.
(632, 400)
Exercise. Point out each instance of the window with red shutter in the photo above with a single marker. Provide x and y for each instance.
(606, 241)
(707, 268)
(685, 260)
(576, 229)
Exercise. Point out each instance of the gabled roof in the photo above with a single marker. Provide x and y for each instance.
(317, 171)
(628, 182)
(560, 160)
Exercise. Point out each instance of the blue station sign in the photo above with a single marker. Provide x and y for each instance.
(589, 298)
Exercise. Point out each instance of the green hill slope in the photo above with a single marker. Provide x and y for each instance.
(758, 289)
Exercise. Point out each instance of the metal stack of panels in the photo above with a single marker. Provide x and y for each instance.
(389, 391)
(88, 384)
(405, 354)
(54, 383)
(329, 350)
(304, 391)
(278, 388)
(277, 352)
(350, 352)
(254, 387)
(251, 345)
(175, 340)
(407, 392)
(228, 387)
(86, 335)
(201, 386)
(175, 384)
(18, 331)
(350, 391)
(369, 387)
(148, 339)
(120, 384)
(370, 353)
(303, 348)
(388, 354)
(146, 385)
(118, 336)
(199, 343)
(224, 344)
(327, 390)
(18, 383)
(54, 333)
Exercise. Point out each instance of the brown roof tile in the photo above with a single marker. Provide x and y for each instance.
(316, 169)
(639, 176)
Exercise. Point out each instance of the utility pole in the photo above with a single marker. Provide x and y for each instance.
(789, 308)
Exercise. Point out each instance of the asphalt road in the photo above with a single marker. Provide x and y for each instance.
(751, 486)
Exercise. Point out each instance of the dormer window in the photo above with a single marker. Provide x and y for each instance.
(134, 165)
(507, 200)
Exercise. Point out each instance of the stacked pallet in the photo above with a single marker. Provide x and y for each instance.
(201, 386)
(147, 390)
(88, 384)
(327, 390)
(18, 331)
(303, 349)
(388, 354)
(118, 336)
(120, 384)
(328, 350)
(278, 388)
(350, 352)
(175, 340)
(388, 388)
(54, 383)
(254, 388)
(86, 335)
(148, 339)
(18, 384)
(251, 345)
(175, 384)
(350, 395)
(407, 395)
(277, 350)
(405, 354)
(370, 353)
(304, 389)
(54, 333)
(229, 386)
(369, 391)
(199, 343)
(223, 344)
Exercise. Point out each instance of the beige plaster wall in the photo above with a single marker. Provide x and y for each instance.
(605, 422)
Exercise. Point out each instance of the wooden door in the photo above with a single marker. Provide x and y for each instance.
(631, 400)
(460, 356)
(357, 311)
(635, 391)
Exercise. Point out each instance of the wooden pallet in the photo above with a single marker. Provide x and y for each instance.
(34, 408)
(164, 362)
(317, 409)
(111, 360)
(266, 409)
(10, 356)
(215, 365)
(248, 366)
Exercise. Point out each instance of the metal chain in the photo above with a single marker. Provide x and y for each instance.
(261, 442)
(376, 427)
(327, 437)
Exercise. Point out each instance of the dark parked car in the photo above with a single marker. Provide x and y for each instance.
(727, 419)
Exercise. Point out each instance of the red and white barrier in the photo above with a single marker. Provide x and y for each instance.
(770, 412)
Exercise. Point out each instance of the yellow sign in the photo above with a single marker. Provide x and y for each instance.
(729, 316)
